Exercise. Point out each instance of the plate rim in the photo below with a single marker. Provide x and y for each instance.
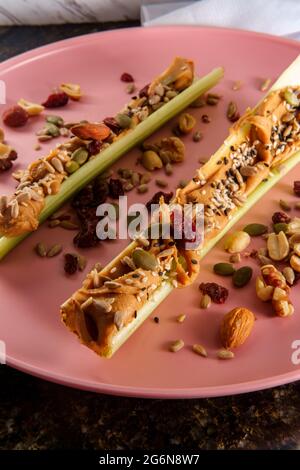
(124, 390)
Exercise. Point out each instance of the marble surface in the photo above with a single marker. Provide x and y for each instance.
(35, 414)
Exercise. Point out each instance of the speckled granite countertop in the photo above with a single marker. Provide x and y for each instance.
(35, 414)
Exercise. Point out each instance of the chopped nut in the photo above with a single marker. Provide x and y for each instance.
(235, 258)
(181, 318)
(151, 160)
(278, 246)
(176, 345)
(186, 123)
(237, 242)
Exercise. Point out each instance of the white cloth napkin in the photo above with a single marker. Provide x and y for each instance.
(67, 11)
(281, 17)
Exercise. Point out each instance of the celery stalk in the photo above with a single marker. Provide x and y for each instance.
(96, 166)
(163, 291)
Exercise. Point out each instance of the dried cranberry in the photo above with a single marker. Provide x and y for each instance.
(297, 188)
(71, 263)
(111, 122)
(115, 188)
(94, 147)
(15, 116)
(144, 91)
(280, 218)
(56, 100)
(126, 77)
(155, 199)
(217, 293)
(87, 237)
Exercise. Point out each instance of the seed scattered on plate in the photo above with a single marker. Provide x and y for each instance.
(265, 84)
(41, 250)
(225, 354)
(176, 345)
(199, 349)
(181, 318)
(54, 251)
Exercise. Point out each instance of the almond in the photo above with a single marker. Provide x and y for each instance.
(91, 131)
(236, 327)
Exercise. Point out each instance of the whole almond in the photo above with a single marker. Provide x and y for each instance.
(236, 327)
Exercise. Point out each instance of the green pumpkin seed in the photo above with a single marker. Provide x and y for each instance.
(80, 155)
(224, 269)
(145, 260)
(123, 120)
(68, 225)
(41, 250)
(242, 276)
(142, 188)
(57, 120)
(51, 129)
(54, 251)
(291, 98)
(71, 166)
(254, 230)
(280, 227)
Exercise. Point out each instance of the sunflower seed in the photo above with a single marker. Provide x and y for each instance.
(181, 318)
(112, 284)
(57, 164)
(199, 349)
(225, 354)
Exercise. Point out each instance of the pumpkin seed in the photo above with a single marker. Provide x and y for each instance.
(151, 160)
(291, 98)
(123, 120)
(44, 138)
(280, 227)
(135, 179)
(56, 120)
(224, 269)
(145, 260)
(68, 225)
(71, 166)
(142, 188)
(80, 155)
(54, 251)
(242, 276)
(41, 249)
(255, 230)
(54, 223)
(51, 129)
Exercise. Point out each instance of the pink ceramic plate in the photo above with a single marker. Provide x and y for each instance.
(31, 289)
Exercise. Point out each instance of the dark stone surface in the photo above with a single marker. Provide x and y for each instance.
(35, 414)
